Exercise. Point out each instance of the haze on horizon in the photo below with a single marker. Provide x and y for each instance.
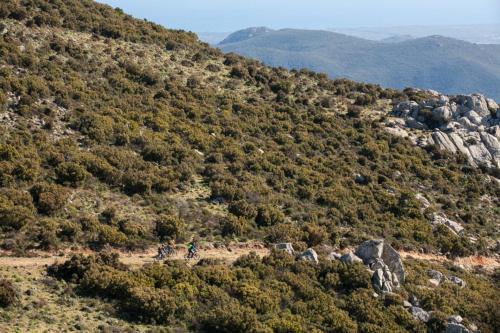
(228, 15)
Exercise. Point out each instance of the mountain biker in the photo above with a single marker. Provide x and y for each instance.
(192, 249)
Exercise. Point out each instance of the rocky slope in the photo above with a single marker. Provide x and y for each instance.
(469, 125)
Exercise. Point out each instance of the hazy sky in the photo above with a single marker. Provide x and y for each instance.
(231, 15)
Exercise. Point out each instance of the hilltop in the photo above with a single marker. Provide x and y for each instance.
(119, 134)
(444, 64)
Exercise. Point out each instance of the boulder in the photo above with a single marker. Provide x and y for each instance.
(443, 141)
(492, 105)
(370, 251)
(407, 304)
(414, 300)
(373, 250)
(474, 117)
(442, 114)
(287, 247)
(493, 145)
(457, 319)
(309, 255)
(452, 225)
(419, 314)
(334, 256)
(350, 258)
(383, 279)
(435, 275)
(412, 123)
(393, 260)
(456, 328)
(456, 280)
(478, 103)
(423, 200)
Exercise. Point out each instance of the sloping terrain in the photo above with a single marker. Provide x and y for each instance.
(444, 64)
(119, 133)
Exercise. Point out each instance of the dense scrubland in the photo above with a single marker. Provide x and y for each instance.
(107, 121)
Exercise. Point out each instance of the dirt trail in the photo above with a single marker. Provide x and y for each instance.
(136, 259)
(227, 255)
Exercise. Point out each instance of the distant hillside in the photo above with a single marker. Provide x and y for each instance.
(434, 62)
(473, 33)
(245, 34)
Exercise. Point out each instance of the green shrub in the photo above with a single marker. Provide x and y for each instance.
(234, 226)
(268, 216)
(71, 173)
(8, 293)
(169, 227)
(48, 198)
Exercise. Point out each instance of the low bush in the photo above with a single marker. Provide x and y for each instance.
(8, 293)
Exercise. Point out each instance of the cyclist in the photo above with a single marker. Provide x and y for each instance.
(191, 249)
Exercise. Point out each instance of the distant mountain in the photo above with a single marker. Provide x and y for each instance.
(475, 33)
(397, 38)
(434, 62)
(242, 35)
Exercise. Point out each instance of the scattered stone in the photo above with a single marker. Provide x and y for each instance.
(456, 280)
(407, 304)
(287, 247)
(435, 275)
(434, 282)
(309, 255)
(423, 200)
(350, 258)
(457, 319)
(414, 300)
(419, 314)
(334, 256)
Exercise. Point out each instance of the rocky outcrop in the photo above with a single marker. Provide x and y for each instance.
(373, 252)
(455, 227)
(466, 124)
(384, 262)
(309, 255)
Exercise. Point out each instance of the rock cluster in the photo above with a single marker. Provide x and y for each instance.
(385, 262)
(381, 260)
(468, 124)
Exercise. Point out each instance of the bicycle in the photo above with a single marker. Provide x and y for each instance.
(168, 251)
(192, 255)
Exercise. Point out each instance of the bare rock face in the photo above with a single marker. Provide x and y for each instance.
(465, 124)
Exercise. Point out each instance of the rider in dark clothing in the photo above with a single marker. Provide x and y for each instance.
(191, 249)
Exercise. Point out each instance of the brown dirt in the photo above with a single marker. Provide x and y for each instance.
(136, 259)
(227, 255)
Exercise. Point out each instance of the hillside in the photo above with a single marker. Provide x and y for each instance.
(439, 63)
(117, 133)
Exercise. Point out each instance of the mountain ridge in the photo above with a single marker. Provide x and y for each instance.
(434, 62)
